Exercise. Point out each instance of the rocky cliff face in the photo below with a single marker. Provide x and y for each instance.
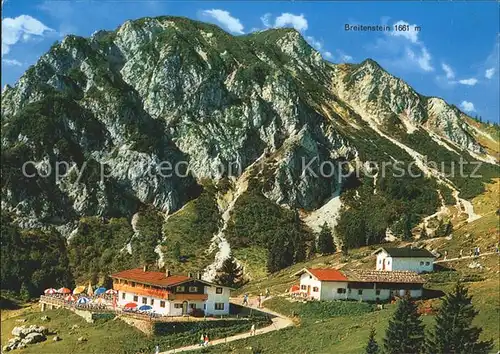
(158, 92)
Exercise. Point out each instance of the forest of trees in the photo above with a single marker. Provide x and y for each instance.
(32, 260)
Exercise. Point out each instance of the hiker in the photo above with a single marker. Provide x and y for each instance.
(157, 349)
(445, 255)
(259, 299)
(460, 254)
(267, 293)
(202, 339)
(245, 299)
(470, 253)
(252, 330)
(207, 341)
(478, 252)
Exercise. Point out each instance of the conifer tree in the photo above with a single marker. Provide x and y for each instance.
(177, 251)
(448, 229)
(325, 240)
(372, 346)
(453, 331)
(230, 274)
(405, 333)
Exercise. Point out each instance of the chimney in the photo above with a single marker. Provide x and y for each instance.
(167, 272)
(145, 268)
(190, 275)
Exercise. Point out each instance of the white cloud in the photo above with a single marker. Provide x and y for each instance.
(343, 57)
(468, 82)
(11, 62)
(22, 27)
(231, 23)
(423, 60)
(328, 55)
(314, 42)
(467, 106)
(298, 22)
(489, 73)
(411, 34)
(266, 20)
(450, 74)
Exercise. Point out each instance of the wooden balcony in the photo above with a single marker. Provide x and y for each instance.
(141, 290)
(188, 297)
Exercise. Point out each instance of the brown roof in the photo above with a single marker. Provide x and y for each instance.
(152, 278)
(381, 276)
(324, 274)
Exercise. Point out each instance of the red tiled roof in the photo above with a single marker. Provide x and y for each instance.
(327, 274)
(152, 278)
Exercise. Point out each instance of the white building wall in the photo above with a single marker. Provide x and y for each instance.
(329, 290)
(129, 297)
(384, 261)
(417, 265)
(214, 298)
(310, 282)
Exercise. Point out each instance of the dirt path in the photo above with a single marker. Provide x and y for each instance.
(464, 257)
(279, 322)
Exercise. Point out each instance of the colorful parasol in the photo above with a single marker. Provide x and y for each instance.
(111, 292)
(90, 291)
(64, 291)
(70, 298)
(78, 290)
(145, 308)
(130, 305)
(100, 291)
(83, 300)
(50, 291)
(294, 288)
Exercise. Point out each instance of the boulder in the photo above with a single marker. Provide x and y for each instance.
(6, 348)
(75, 326)
(22, 320)
(56, 338)
(33, 337)
(18, 331)
(82, 339)
(45, 318)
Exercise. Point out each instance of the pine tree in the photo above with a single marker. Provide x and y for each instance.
(312, 249)
(325, 240)
(448, 229)
(372, 346)
(405, 333)
(177, 251)
(453, 331)
(230, 274)
(407, 235)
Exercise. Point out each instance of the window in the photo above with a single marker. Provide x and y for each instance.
(152, 302)
(204, 306)
(310, 277)
(377, 292)
(218, 290)
(145, 300)
(193, 289)
(303, 287)
(427, 263)
(360, 292)
(180, 289)
(162, 303)
(340, 291)
(219, 306)
(315, 289)
(421, 263)
(132, 284)
(177, 306)
(388, 262)
(192, 306)
(123, 296)
(379, 261)
(136, 298)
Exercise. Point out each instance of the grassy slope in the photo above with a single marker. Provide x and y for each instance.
(348, 333)
(111, 336)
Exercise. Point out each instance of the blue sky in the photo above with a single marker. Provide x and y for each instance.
(454, 55)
